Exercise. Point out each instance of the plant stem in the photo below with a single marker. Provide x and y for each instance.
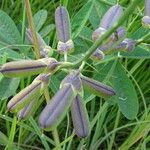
(31, 26)
(109, 32)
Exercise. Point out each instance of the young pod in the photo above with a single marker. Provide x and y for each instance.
(57, 108)
(44, 48)
(111, 16)
(97, 88)
(29, 110)
(80, 117)
(33, 91)
(74, 79)
(146, 18)
(97, 55)
(24, 68)
(63, 30)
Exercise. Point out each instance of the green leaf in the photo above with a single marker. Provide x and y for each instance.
(81, 18)
(8, 87)
(39, 19)
(8, 31)
(126, 94)
(9, 53)
(46, 30)
(138, 53)
(3, 139)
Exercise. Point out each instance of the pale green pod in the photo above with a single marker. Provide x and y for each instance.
(57, 108)
(28, 67)
(31, 92)
(80, 117)
(97, 88)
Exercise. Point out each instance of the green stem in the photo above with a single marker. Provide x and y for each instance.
(128, 11)
(31, 25)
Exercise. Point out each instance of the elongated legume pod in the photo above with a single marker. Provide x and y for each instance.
(97, 88)
(31, 92)
(63, 30)
(80, 117)
(28, 67)
(44, 48)
(111, 16)
(57, 108)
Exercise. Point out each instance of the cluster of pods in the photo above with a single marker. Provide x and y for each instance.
(70, 94)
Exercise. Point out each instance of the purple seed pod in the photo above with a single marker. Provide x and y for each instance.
(97, 88)
(80, 117)
(44, 48)
(24, 68)
(30, 109)
(111, 16)
(62, 22)
(97, 33)
(65, 47)
(57, 108)
(74, 79)
(33, 91)
(119, 34)
(146, 21)
(147, 8)
(97, 55)
(130, 44)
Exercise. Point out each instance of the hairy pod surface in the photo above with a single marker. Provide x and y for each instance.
(111, 16)
(146, 21)
(80, 117)
(24, 97)
(97, 88)
(57, 108)
(44, 48)
(28, 67)
(62, 22)
(74, 79)
(97, 55)
(29, 110)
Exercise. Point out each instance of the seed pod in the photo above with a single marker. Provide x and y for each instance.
(98, 33)
(146, 21)
(97, 88)
(28, 67)
(57, 108)
(33, 91)
(97, 55)
(74, 79)
(80, 117)
(63, 30)
(147, 8)
(111, 16)
(65, 47)
(30, 109)
(130, 45)
(44, 48)
(62, 22)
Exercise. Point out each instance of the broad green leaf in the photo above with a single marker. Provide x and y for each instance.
(80, 19)
(39, 19)
(8, 87)
(46, 30)
(8, 31)
(139, 52)
(126, 94)
(9, 53)
(3, 139)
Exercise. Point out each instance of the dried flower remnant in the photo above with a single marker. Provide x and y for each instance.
(28, 67)
(31, 92)
(97, 88)
(57, 108)
(44, 48)
(146, 18)
(80, 117)
(63, 30)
